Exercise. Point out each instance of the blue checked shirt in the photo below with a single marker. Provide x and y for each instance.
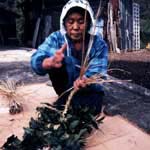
(98, 57)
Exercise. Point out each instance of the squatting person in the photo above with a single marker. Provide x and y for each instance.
(60, 56)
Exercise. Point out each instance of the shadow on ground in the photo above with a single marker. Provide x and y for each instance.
(130, 100)
(138, 72)
(21, 72)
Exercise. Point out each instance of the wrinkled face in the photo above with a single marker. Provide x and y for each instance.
(75, 26)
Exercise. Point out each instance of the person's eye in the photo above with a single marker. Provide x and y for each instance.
(70, 21)
(81, 21)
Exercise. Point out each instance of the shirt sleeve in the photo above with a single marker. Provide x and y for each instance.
(98, 60)
(45, 50)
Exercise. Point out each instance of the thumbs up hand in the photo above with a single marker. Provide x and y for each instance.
(56, 60)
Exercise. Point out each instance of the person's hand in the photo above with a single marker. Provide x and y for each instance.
(80, 83)
(56, 60)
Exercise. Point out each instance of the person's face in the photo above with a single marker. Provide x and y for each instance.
(75, 26)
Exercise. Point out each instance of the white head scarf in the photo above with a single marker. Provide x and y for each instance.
(75, 3)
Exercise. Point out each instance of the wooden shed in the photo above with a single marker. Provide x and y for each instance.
(118, 17)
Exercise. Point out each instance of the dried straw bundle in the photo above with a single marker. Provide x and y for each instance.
(8, 88)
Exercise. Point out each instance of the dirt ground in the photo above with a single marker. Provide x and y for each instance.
(133, 105)
(15, 64)
(133, 65)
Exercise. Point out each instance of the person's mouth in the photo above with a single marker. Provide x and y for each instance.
(76, 34)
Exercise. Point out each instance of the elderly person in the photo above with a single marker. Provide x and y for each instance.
(60, 56)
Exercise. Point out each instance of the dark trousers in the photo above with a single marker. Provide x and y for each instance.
(59, 79)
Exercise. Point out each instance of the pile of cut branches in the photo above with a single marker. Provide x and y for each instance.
(52, 131)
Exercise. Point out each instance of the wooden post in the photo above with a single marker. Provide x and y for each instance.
(35, 35)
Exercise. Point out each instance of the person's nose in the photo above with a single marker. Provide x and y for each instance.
(76, 26)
